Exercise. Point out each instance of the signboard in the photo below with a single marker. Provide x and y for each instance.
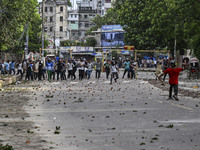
(83, 49)
(113, 38)
(77, 49)
(73, 26)
(111, 27)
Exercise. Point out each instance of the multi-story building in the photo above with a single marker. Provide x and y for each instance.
(56, 17)
(73, 23)
(106, 5)
(87, 10)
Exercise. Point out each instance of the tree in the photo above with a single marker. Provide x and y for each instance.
(90, 41)
(158, 23)
(14, 19)
(107, 19)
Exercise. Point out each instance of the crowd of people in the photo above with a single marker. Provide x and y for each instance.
(59, 69)
(55, 69)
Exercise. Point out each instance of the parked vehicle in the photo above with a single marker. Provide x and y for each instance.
(194, 69)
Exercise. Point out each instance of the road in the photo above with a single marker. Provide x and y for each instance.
(127, 115)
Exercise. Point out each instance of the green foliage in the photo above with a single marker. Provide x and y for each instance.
(90, 41)
(157, 23)
(107, 19)
(6, 147)
(14, 19)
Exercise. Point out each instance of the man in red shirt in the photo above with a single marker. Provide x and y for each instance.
(173, 79)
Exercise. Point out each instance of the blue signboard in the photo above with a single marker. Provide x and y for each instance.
(114, 38)
(111, 27)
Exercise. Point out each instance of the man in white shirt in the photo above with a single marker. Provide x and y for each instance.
(70, 66)
(81, 69)
(114, 72)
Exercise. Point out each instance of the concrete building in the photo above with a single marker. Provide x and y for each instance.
(56, 16)
(87, 10)
(73, 25)
(106, 5)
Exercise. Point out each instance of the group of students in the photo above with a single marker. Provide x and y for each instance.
(38, 70)
(7, 67)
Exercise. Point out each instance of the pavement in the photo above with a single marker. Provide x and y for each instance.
(127, 115)
(94, 115)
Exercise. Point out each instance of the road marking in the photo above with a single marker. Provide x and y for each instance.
(197, 120)
(86, 110)
(188, 108)
(158, 101)
(126, 81)
(91, 82)
(107, 82)
(73, 82)
(177, 105)
(144, 82)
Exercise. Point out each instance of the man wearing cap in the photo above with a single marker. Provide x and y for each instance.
(173, 79)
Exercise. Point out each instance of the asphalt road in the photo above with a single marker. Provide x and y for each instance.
(127, 115)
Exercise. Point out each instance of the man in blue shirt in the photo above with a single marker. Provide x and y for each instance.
(7, 67)
(12, 67)
(49, 67)
(127, 68)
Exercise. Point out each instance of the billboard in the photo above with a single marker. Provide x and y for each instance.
(113, 38)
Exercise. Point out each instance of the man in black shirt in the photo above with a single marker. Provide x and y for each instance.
(40, 70)
(58, 68)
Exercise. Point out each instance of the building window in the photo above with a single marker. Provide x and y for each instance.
(75, 16)
(51, 29)
(73, 34)
(51, 19)
(80, 24)
(80, 16)
(85, 16)
(61, 28)
(60, 37)
(45, 9)
(71, 16)
(79, 34)
(86, 24)
(61, 18)
(45, 29)
(72, 22)
(51, 9)
(61, 9)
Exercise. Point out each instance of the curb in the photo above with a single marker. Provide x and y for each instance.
(9, 80)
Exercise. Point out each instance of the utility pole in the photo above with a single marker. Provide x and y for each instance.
(43, 10)
(26, 43)
(175, 55)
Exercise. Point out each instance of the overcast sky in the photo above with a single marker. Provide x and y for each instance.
(39, 0)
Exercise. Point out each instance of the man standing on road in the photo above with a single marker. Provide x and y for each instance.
(114, 71)
(70, 66)
(12, 67)
(40, 70)
(81, 69)
(127, 68)
(165, 66)
(107, 68)
(58, 68)
(49, 66)
(98, 65)
(173, 79)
